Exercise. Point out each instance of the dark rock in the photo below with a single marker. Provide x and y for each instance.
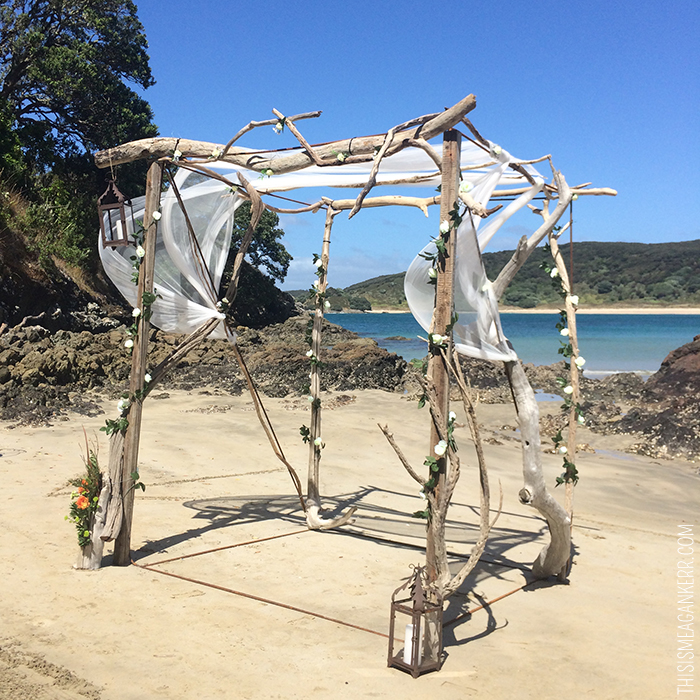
(679, 374)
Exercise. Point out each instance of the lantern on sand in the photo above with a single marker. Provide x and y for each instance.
(421, 621)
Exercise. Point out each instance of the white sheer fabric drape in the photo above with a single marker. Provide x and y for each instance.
(188, 272)
(478, 331)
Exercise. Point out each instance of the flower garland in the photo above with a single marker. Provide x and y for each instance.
(433, 465)
(145, 312)
(437, 342)
(314, 362)
(566, 349)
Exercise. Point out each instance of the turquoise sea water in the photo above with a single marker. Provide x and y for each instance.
(609, 342)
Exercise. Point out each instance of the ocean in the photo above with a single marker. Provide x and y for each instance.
(609, 342)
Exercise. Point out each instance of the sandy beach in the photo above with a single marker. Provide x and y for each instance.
(305, 614)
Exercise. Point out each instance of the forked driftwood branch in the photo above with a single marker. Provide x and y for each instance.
(266, 122)
(553, 557)
(445, 583)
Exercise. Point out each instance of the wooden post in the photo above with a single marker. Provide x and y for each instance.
(139, 359)
(442, 314)
(314, 487)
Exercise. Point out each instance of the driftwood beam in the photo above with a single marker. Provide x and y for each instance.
(365, 145)
(389, 200)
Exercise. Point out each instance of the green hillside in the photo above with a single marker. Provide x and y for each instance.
(604, 274)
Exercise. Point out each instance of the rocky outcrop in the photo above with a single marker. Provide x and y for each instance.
(667, 416)
(43, 373)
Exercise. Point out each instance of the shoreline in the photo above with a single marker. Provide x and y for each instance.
(606, 310)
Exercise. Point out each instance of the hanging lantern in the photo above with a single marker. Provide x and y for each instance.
(421, 623)
(114, 211)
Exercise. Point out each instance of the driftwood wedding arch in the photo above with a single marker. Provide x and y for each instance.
(359, 162)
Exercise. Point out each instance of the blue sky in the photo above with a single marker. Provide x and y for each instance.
(609, 88)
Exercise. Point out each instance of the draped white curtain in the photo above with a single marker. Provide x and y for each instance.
(188, 269)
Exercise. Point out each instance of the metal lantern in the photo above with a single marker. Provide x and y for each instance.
(421, 622)
(114, 211)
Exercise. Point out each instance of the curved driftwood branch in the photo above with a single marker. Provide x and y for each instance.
(527, 245)
(257, 208)
(289, 121)
(311, 207)
(399, 453)
(266, 122)
(160, 147)
(266, 424)
(554, 555)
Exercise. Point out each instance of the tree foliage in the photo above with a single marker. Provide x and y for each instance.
(266, 249)
(63, 67)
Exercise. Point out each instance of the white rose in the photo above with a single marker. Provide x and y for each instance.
(156, 215)
(452, 416)
(563, 450)
(581, 419)
(579, 362)
(327, 304)
(310, 398)
(147, 378)
(318, 442)
(319, 263)
(554, 273)
(574, 299)
(568, 389)
(440, 448)
(177, 154)
(309, 353)
(129, 343)
(136, 313)
(564, 331)
(123, 405)
(140, 251)
(432, 273)
(341, 157)
(444, 226)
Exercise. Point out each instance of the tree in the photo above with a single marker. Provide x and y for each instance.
(265, 250)
(63, 64)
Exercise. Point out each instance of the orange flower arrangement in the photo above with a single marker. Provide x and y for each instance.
(85, 498)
